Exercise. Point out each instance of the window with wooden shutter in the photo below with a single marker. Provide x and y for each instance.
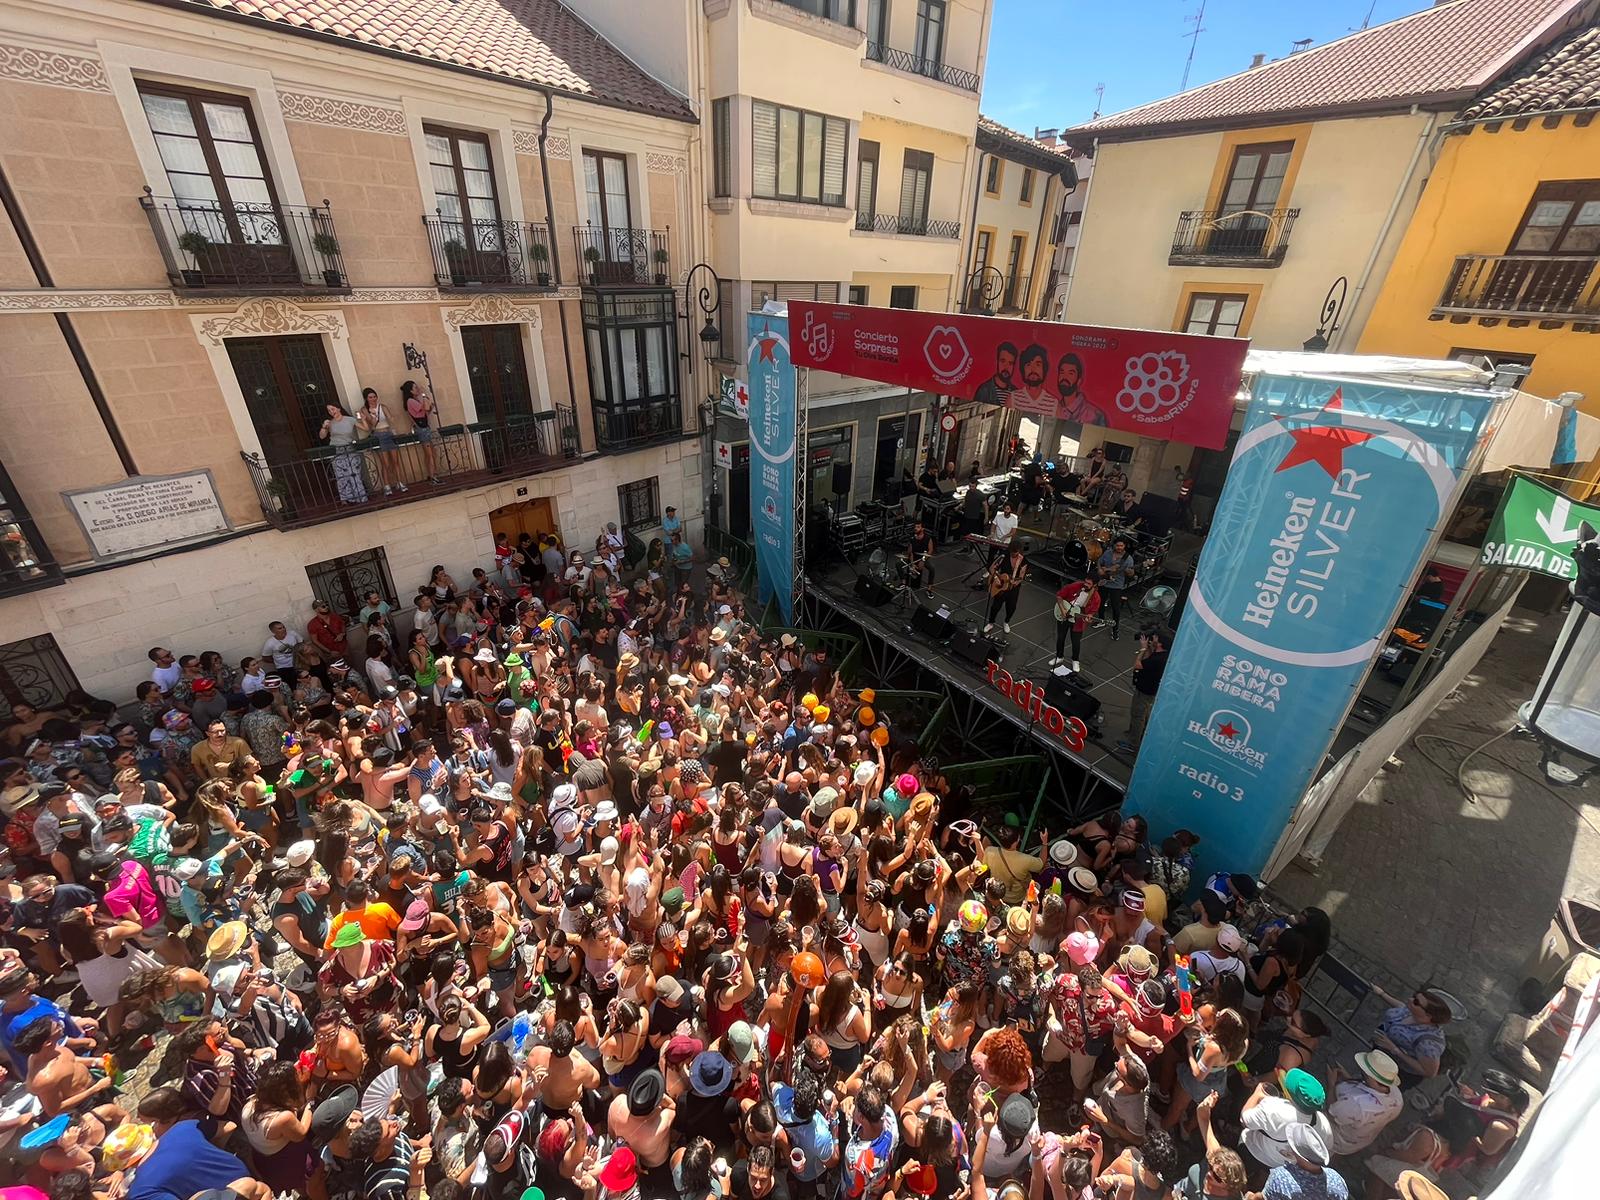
(867, 180)
(799, 155)
(916, 183)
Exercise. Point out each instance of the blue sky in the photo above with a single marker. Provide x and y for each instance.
(1046, 56)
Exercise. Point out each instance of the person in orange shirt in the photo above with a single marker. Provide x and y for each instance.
(378, 920)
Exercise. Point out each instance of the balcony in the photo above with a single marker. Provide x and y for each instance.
(25, 561)
(1253, 238)
(1549, 288)
(631, 426)
(867, 222)
(989, 292)
(928, 68)
(248, 247)
(327, 483)
(623, 257)
(502, 255)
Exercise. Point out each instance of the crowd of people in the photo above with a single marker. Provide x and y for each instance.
(565, 880)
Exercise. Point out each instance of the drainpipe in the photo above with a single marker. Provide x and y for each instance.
(69, 335)
(971, 264)
(1383, 232)
(1038, 243)
(1083, 221)
(555, 264)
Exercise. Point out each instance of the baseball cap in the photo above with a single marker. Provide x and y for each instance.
(299, 853)
(330, 1116)
(669, 989)
(416, 916)
(742, 1041)
(1229, 938)
(1016, 1116)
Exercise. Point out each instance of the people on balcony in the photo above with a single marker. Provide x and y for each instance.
(374, 421)
(339, 431)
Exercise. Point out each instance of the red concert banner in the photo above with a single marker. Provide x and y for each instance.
(1176, 386)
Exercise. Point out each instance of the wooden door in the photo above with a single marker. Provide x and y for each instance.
(531, 517)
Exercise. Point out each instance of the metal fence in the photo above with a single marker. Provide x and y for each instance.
(205, 243)
(1251, 237)
(928, 68)
(502, 254)
(623, 257)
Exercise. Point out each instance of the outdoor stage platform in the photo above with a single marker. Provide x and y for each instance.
(1025, 652)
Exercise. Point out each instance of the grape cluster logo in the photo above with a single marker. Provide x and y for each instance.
(1154, 382)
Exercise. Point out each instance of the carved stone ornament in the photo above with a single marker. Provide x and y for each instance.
(346, 114)
(271, 315)
(53, 67)
(493, 310)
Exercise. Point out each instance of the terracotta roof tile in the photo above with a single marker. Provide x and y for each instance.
(1566, 77)
(530, 41)
(1441, 54)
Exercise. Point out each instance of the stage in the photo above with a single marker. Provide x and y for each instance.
(1025, 652)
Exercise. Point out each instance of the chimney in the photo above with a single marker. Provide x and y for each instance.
(1047, 136)
(1255, 61)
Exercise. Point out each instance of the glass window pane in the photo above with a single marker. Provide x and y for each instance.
(168, 114)
(835, 156)
(439, 149)
(591, 186)
(1581, 239)
(194, 187)
(239, 158)
(449, 206)
(655, 342)
(249, 193)
(181, 153)
(227, 121)
(597, 379)
(1550, 212)
(788, 152)
(474, 154)
(627, 363)
(444, 180)
(482, 210)
(480, 184)
(811, 184)
(1232, 313)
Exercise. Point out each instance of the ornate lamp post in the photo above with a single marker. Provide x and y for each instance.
(984, 287)
(1332, 310)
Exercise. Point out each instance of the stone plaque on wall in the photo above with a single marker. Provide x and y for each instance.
(148, 512)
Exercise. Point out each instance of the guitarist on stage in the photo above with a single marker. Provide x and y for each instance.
(921, 558)
(1005, 587)
(1076, 605)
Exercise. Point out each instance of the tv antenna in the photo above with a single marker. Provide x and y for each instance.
(1099, 98)
(1194, 37)
(1367, 20)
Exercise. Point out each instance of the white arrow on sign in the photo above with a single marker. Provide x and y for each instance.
(1555, 525)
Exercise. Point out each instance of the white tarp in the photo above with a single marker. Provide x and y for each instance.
(1554, 1160)
(1527, 435)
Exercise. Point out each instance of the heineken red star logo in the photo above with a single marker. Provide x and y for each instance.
(1324, 444)
(767, 343)
(1228, 729)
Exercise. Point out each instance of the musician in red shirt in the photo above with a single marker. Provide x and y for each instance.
(1076, 605)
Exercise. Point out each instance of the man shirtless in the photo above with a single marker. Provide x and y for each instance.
(59, 1076)
(562, 1076)
(642, 1117)
(379, 774)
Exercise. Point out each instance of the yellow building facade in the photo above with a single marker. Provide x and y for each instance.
(1502, 256)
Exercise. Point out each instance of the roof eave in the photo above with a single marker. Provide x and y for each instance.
(1031, 156)
(1086, 135)
(687, 116)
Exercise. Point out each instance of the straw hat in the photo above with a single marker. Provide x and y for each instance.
(227, 939)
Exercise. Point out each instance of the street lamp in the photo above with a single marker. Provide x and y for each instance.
(1332, 310)
(709, 302)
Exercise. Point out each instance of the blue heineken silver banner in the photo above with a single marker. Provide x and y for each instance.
(1333, 495)
(772, 447)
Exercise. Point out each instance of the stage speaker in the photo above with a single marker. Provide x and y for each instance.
(871, 592)
(972, 647)
(931, 622)
(1071, 699)
(841, 479)
(1160, 514)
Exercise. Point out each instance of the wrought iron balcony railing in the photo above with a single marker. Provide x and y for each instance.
(208, 244)
(329, 482)
(490, 254)
(928, 68)
(1543, 287)
(908, 226)
(624, 427)
(990, 291)
(623, 257)
(1250, 238)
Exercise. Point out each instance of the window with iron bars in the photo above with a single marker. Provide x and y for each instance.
(639, 503)
(344, 582)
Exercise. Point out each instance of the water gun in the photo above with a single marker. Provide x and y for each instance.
(108, 1063)
(1185, 985)
(291, 743)
(1033, 891)
(645, 730)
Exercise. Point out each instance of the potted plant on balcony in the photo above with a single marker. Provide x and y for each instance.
(281, 498)
(660, 257)
(455, 254)
(327, 245)
(591, 255)
(193, 243)
(540, 253)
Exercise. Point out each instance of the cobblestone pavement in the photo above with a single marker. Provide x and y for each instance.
(1428, 887)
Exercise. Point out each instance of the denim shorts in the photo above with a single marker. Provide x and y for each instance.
(425, 433)
(385, 439)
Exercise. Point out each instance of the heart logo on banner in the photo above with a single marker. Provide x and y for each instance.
(948, 356)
